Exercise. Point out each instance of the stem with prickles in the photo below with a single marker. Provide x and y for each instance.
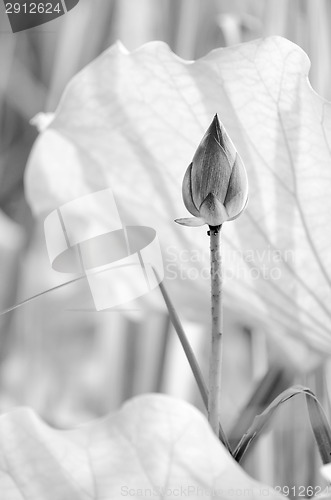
(217, 330)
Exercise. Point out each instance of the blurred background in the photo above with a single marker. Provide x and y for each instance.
(71, 366)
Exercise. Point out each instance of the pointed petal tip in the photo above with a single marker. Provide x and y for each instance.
(191, 221)
(216, 128)
(216, 121)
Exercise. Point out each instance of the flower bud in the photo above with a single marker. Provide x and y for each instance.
(215, 186)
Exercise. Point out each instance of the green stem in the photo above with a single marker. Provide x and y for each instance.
(215, 362)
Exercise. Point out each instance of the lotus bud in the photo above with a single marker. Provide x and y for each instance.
(215, 186)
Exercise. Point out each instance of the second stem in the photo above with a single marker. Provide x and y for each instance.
(215, 362)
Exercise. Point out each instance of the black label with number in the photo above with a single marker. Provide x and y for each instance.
(25, 14)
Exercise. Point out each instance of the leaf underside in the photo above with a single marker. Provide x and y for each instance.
(140, 116)
(153, 446)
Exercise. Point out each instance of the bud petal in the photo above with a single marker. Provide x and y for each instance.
(207, 176)
(187, 192)
(238, 214)
(213, 211)
(215, 186)
(191, 221)
(237, 194)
